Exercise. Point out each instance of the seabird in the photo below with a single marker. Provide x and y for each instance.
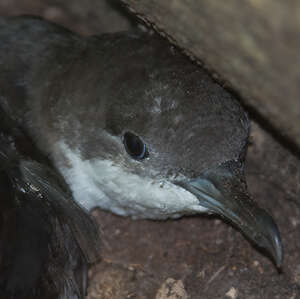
(131, 124)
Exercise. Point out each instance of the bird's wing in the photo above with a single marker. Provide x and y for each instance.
(46, 239)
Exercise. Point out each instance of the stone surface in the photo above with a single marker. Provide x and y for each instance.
(253, 46)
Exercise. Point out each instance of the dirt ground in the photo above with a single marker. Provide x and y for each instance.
(194, 257)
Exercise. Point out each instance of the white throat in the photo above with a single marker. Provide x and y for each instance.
(101, 183)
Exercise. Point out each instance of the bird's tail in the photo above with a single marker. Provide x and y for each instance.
(46, 239)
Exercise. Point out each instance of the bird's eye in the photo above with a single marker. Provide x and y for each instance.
(134, 146)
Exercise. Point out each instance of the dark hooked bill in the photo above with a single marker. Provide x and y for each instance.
(223, 191)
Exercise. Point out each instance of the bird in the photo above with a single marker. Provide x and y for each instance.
(47, 241)
(131, 124)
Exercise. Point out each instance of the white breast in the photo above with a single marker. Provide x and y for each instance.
(100, 183)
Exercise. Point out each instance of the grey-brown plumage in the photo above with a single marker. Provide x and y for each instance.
(132, 124)
(47, 241)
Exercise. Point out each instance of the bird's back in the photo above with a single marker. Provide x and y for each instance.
(25, 44)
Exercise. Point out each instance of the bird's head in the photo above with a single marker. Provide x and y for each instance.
(165, 141)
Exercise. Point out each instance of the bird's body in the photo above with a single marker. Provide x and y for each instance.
(133, 126)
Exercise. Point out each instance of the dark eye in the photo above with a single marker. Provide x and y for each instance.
(134, 146)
